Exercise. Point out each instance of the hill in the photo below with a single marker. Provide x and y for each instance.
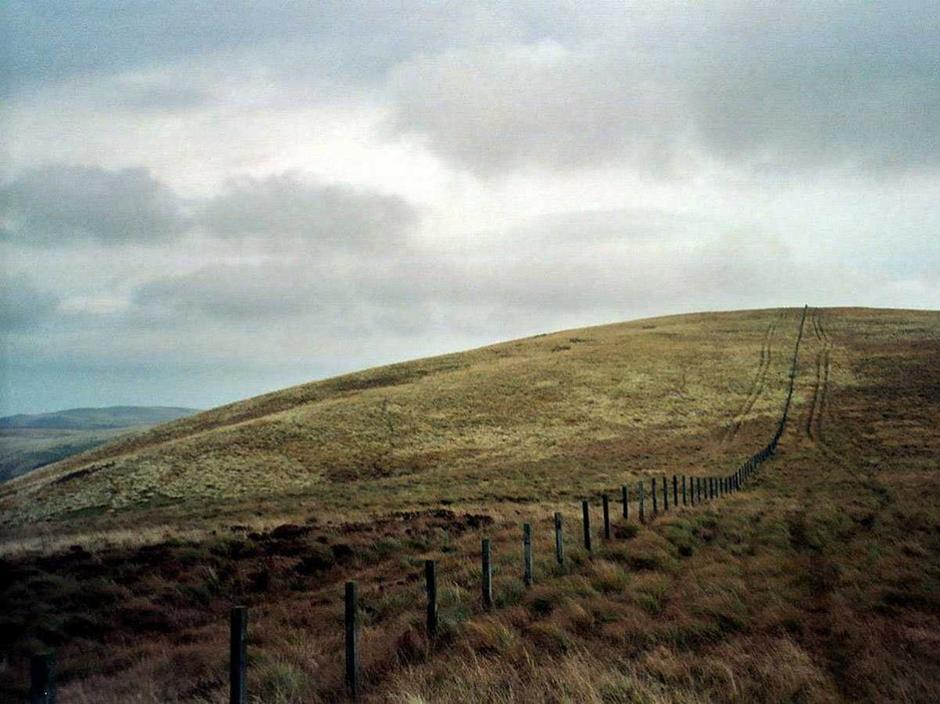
(820, 582)
(28, 441)
(502, 422)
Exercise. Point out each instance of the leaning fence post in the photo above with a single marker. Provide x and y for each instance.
(586, 515)
(625, 497)
(487, 568)
(527, 554)
(605, 503)
(642, 510)
(352, 640)
(559, 540)
(653, 486)
(430, 582)
(42, 678)
(665, 495)
(238, 655)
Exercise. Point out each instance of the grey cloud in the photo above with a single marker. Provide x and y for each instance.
(22, 305)
(765, 86)
(547, 105)
(330, 42)
(322, 216)
(496, 87)
(58, 204)
(652, 265)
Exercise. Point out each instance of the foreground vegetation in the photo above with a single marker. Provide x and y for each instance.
(819, 583)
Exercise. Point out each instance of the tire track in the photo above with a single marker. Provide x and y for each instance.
(758, 384)
(819, 404)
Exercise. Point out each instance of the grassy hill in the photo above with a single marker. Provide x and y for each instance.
(819, 583)
(28, 441)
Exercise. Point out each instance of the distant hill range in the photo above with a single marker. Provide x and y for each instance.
(28, 441)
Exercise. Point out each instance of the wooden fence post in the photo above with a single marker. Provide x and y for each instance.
(352, 640)
(639, 485)
(675, 491)
(653, 491)
(559, 540)
(665, 495)
(698, 488)
(238, 655)
(625, 498)
(605, 503)
(527, 554)
(430, 583)
(586, 515)
(42, 678)
(487, 567)
(685, 499)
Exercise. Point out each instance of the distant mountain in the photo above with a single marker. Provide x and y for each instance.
(29, 441)
(97, 418)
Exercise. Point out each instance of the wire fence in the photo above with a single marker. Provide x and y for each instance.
(685, 491)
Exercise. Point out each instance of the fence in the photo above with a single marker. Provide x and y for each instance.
(693, 491)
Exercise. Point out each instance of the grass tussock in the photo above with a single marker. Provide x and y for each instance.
(818, 583)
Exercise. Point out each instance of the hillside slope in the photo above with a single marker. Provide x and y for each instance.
(509, 420)
(819, 582)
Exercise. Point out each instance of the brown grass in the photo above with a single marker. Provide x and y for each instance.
(819, 583)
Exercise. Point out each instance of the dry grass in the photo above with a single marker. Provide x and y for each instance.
(820, 583)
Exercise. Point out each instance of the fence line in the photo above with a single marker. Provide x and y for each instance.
(42, 666)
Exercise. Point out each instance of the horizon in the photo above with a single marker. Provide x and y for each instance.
(275, 194)
(235, 399)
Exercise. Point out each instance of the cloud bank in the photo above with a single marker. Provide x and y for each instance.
(201, 203)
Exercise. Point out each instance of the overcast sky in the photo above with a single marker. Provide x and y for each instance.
(201, 201)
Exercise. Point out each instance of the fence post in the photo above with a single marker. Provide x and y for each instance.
(625, 497)
(430, 581)
(665, 495)
(655, 504)
(527, 554)
(238, 655)
(487, 575)
(675, 491)
(586, 515)
(605, 503)
(352, 640)
(685, 499)
(639, 485)
(42, 678)
(698, 487)
(559, 540)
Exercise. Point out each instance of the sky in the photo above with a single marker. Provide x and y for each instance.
(203, 201)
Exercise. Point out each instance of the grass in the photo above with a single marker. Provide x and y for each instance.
(820, 583)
